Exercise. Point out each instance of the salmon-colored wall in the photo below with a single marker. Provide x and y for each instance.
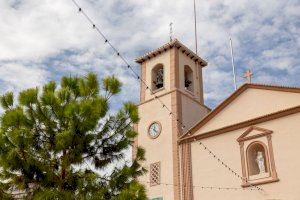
(159, 149)
(208, 172)
(192, 111)
(250, 104)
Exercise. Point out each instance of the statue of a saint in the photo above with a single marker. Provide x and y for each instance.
(159, 83)
(260, 162)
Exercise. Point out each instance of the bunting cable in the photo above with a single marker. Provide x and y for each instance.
(106, 41)
(229, 168)
(206, 187)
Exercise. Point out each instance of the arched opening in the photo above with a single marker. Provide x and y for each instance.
(188, 78)
(257, 159)
(158, 77)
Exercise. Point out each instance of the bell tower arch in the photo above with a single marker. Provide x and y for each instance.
(174, 74)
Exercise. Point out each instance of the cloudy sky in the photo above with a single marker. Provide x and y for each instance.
(44, 40)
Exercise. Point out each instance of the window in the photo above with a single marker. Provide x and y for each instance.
(257, 158)
(155, 174)
(188, 78)
(157, 198)
(158, 77)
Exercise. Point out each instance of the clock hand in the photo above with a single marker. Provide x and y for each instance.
(154, 128)
(152, 131)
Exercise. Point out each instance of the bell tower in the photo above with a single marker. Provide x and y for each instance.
(173, 73)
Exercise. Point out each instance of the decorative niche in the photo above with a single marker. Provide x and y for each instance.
(257, 157)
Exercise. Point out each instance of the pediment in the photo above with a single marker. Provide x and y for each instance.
(249, 102)
(254, 132)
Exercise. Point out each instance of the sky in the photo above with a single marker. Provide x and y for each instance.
(45, 40)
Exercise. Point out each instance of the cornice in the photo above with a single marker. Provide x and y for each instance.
(232, 97)
(180, 91)
(240, 125)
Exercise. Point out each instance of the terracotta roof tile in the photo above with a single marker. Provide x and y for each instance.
(174, 43)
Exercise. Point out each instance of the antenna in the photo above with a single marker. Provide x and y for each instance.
(195, 18)
(171, 31)
(233, 67)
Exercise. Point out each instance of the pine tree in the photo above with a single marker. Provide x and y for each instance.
(48, 135)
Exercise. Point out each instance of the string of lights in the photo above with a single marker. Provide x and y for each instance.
(205, 187)
(136, 75)
(195, 186)
(229, 168)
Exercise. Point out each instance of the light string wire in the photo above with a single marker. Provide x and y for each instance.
(204, 187)
(229, 168)
(136, 75)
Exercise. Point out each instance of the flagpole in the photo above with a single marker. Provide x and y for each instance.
(195, 19)
(233, 67)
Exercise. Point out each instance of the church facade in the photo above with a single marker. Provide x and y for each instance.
(246, 148)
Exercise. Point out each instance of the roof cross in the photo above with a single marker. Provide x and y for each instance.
(248, 76)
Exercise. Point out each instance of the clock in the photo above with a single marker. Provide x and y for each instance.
(154, 130)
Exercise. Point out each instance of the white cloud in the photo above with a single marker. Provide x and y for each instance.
(52, 33)
(37, 29)
(16, 77)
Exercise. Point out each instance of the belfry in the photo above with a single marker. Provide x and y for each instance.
(174, 73)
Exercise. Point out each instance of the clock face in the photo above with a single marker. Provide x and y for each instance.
(154, 130)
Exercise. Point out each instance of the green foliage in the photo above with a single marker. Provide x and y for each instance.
(112, 85)
(28, 97)
(7, 100)
(48, 136)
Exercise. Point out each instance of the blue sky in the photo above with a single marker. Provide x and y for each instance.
(44, 40)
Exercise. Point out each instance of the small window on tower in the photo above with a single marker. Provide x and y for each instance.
(188, 78)
(158, 77)
(155, 174)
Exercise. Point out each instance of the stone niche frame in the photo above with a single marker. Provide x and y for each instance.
(264, 137)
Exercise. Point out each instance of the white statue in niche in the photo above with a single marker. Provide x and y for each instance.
(260, 162)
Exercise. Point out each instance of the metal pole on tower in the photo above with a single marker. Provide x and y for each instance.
(195, 19)
(233, 67)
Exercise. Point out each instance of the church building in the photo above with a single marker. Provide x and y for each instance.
(246, 148)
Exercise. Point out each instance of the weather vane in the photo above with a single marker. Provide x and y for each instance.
(171, 31)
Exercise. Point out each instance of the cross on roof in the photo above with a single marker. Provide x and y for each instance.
(248, 75)
(171, 31)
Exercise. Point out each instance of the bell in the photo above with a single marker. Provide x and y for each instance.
(159, 79)
(187, 83)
